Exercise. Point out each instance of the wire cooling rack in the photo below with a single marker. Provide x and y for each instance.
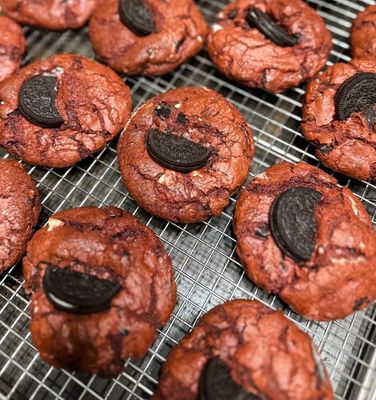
(206, 268)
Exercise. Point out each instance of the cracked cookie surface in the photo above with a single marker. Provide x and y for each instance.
(204, 117)
(180, 33)
(347, 146)
(363, 34)
(12, 47)
(92, 99)
(266, 354)
(340, 276)
(50, 14)
(109, 244)
(244, 54)
(19, 211)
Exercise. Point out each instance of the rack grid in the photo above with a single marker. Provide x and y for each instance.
(206, 268)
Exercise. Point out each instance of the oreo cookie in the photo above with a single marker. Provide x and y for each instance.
(77, 292)
(37, 101)
(216, 383)
(176, 152)
(163, 110)
(293, 223)
(357, 94)
(137, 16)
(270, 29)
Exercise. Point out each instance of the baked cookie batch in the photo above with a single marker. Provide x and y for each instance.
(101, 282)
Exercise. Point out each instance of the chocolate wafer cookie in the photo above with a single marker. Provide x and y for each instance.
(184, 153)
(102, 283)
(19, 211)
(12, 47)
(58, 111)
(50, 14)
(244, 350)
(147, 37)
(309, 241)
(269, 44)
(339, 115)
(363, 34)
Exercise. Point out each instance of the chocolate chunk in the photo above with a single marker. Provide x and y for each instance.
(36, 101)
(357, 94)
(78, 292)
(232, 14)
(262, 231)
(137, 16)
(163, 110)
(269, 28)
(325, 148)
(293, 223)
(360, 303)
(216, 383)
(182, 118)
(175, 152)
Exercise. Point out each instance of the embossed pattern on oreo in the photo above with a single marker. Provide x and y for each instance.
(176, 152)
(216, 383)
(137, 16)
(357, 94)
(77, 292)
(36, 101)
(270, 29)
(293, 223)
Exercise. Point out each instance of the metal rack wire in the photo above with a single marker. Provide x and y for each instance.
(206, 268)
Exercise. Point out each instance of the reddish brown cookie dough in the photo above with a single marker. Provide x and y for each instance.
(12, 47)
(109, 244)
(347, 146)
(19, 211)
(93, 101)
(363, 34)
(195, 196)
(180, 34)
(50, 14)
(244, 54)
(340, 276)
(266, 353)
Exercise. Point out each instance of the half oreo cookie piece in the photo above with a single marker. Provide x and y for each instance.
(137, 16)
(37, 101)
(78, 292)
(216, 383)
(270, 29)
(293, 223)
(176, 152)
(357, 94)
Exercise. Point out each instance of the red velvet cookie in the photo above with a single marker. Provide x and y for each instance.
(309, 241)
(269, 44)
(363, 34)
(50, 14)
(19, 211)
(244, 350)
(147, 37)
(184, 153)
(12, 47)
(339, 115)
(102, 284)
(58, 111)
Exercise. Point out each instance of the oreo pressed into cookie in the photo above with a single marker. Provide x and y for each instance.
(78, 292)
(37, 101)
(293, 223)
(176, 152)
(137, 16)
(216, 383)
(357, 94)
(270, 29)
